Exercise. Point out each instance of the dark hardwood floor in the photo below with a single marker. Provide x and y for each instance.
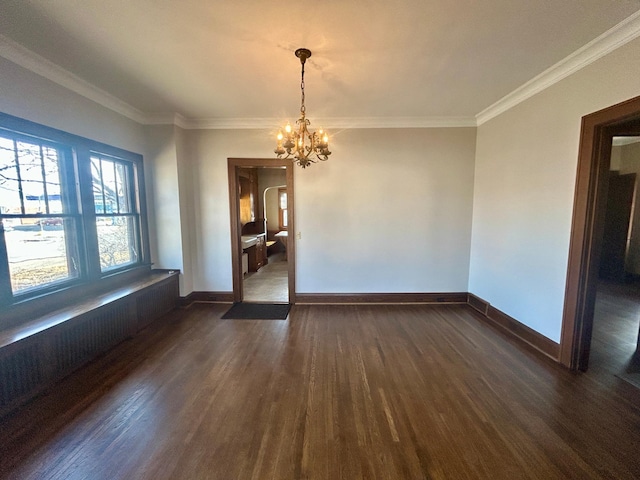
(615, 332)
(334, 392)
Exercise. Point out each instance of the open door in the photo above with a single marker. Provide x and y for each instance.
(235, 167)
(587, 232)
(615, 238)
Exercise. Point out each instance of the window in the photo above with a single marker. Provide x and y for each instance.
(39, 213)
(116, 218)
(71, 210)
(282, 208)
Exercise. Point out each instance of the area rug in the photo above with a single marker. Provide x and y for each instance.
(257, 311)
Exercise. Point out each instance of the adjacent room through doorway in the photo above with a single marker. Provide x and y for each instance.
(266, 280)
(616, 320)
(604, 258)
(261, 213)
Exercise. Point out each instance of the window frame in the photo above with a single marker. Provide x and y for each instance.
(281, 225)
(77, 153)
(133, 213)
(67, 185)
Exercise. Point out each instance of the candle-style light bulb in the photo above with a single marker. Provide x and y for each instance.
(288, 128)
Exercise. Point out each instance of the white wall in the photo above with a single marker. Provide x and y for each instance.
(389, 212)
(526, 164)
(185, 197)
(164, 193)
(211, 237)
(32, 97)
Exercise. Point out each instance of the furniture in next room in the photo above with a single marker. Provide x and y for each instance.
(282, 236)
(254, 245)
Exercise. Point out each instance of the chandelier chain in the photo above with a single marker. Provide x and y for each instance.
(302, 107)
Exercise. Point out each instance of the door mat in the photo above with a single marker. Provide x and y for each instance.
(258, 311)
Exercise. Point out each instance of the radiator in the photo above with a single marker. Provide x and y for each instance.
(30, 366)
(20, 374)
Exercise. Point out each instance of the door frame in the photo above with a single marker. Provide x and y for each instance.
(233, 166)
(589, 208)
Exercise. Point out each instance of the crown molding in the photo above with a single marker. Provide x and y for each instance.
(16, 53)
(330, 123)
(167, 119)
(397, 122)
(610, 40)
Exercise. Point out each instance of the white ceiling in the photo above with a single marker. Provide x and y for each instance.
(372, 59)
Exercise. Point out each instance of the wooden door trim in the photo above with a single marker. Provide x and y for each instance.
(589, 206)
(233, 164)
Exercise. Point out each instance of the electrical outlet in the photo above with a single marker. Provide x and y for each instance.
(299, 235)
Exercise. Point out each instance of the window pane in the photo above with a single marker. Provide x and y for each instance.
(9, 188)
(284, 219)
(122, 188)
(31, 179)
(51, 160)
(117, 241)
(40, 252)
(98, 199)
(109, 187)
(37, 176)
(283, 200)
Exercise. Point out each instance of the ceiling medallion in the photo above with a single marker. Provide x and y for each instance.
(304, 146)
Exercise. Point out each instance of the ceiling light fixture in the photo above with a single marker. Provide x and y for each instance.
(301, 144)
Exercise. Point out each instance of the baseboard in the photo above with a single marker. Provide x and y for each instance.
(206, 297)
(512, 326)
(487, 312)
(355, 298)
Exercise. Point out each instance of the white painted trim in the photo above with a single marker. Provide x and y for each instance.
(331, 123)
(24, 57)
(613, 38)
(167, 119)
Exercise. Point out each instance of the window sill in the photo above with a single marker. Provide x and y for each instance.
(16, 333)
(40, 351)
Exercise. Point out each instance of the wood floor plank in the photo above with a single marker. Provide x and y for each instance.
(334, 392)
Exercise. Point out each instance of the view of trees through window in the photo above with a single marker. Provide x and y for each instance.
(114, 219)
(69, 211)
(33, 200)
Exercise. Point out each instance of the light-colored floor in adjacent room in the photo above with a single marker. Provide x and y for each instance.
(270, 283)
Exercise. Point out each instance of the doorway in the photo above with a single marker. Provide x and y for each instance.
(616, 318)
(589, 223)
(262, 204)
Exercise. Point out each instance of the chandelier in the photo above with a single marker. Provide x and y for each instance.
(304, 146)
